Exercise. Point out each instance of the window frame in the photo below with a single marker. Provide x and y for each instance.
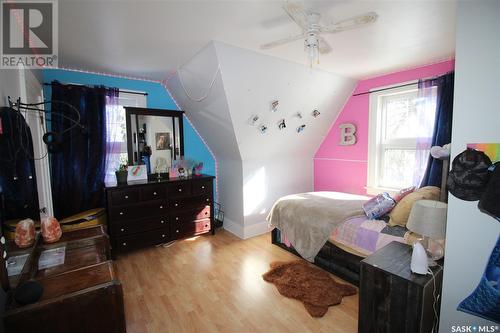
(376, 131)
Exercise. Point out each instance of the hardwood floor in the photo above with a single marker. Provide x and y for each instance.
(214, 284)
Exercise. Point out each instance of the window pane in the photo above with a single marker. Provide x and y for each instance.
(116, 130)
(400, 114)
(398, 167)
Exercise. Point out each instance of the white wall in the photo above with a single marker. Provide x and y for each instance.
(212, 119)
(276, 163)
(471, 234)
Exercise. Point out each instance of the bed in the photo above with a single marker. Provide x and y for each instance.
(350, 235)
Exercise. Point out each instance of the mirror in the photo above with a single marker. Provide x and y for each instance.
(154, 138)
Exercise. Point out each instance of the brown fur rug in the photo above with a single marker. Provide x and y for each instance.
(315, 288)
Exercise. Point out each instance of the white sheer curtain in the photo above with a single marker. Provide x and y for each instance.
(115, 133)
(426, 114)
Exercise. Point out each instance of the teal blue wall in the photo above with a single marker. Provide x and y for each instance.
(158, 98)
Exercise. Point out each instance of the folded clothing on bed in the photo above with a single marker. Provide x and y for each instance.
(362, 237)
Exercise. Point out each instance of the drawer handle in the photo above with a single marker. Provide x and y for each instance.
(162, 236)
(208, 200)
(177, 219)
(203, 187)
(177, 231)
(126, 197)
(154, 193)
(180, 190)
(124, 244)
(206, 225)
(206, 213)
(121, 213)
(161, 207)
(176, 205)
(122, 229)
(162, 222)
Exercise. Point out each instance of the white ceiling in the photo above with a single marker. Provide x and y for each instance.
(152, 38)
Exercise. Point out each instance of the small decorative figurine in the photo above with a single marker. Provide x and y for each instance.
(197, 168)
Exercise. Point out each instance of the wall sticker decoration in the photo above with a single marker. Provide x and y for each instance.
(274, 105)
(315, 113)
(347, 134)
(281, 124)
(263, 129)
(301, 128)
(254, 119)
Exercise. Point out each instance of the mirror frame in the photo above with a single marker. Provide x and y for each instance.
(130, 111)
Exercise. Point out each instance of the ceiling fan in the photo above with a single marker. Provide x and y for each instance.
(314, 43)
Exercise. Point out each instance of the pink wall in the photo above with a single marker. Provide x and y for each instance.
(344, 168)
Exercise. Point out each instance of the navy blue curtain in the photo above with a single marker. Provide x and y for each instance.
(442, 126)
(78, 164)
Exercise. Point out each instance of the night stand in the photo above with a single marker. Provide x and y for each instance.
(392, 299)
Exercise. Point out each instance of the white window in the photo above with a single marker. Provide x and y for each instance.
(395, 130)
(116, 131)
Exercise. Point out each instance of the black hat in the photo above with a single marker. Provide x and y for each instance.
(469, 175)
(490, 200)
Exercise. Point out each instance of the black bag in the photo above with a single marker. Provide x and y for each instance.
(469, 175)
(490, 200)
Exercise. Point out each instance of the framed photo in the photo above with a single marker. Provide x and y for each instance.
(162, 140)
(137, 172)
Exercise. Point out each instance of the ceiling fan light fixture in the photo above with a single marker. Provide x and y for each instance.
(311, 46)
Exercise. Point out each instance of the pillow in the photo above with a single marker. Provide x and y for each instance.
(403, 193)
(378, 206)
(400, 213)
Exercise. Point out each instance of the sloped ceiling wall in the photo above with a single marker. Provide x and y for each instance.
(273, 164)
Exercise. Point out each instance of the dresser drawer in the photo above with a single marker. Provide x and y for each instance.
(153, 192)
(190, 229)
(124, 197)
(128, 227)
(180, 204)
(179, 189)
(146, 209)
(143, 239)
(191, 215)
(200, 187)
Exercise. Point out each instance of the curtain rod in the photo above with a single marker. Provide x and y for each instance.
(401, 85)
(120, 90)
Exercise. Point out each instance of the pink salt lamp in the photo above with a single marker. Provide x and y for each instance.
(51, 230)
(25, 233)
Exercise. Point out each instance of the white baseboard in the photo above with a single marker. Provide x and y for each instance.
(257, 229)
(234, 228)
(247, 231)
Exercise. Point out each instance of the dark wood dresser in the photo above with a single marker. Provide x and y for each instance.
(82, 294)
(392, 299)
(142, 214)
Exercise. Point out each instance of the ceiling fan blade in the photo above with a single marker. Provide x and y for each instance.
(297, 14)
(324, 47)
(350, 23)
(281, 41)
